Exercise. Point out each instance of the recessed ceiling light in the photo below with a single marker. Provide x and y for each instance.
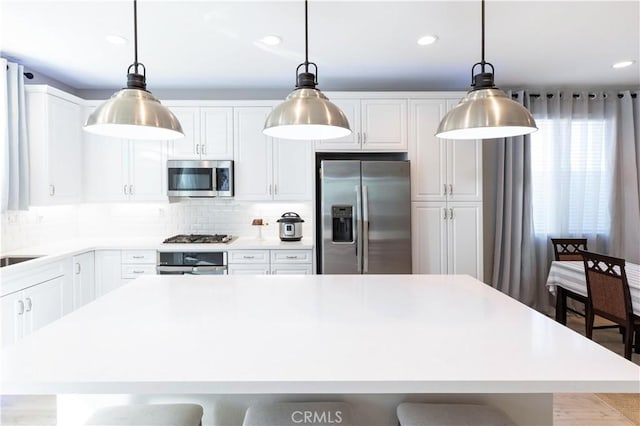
(115, 39)
(271, 40)
(426, 40)
(623, 64)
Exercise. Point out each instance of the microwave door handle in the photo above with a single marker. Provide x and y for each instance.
(214, 179)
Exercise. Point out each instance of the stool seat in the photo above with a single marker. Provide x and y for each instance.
(426, 414)
(299, 413)
(147, 415)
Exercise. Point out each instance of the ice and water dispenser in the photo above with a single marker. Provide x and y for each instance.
(342, 224)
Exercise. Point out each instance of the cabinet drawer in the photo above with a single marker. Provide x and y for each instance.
(134, 271)
(291, 256)
(249, 256)
(139, 256)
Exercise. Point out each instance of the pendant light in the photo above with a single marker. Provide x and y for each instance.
(486, 112)
(133, 112)
(306, 114)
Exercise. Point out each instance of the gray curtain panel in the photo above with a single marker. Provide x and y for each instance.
(14, 151)
(625, 208)
(514, 258)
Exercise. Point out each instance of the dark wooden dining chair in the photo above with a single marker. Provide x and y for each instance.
(568, 248)
(609, 297)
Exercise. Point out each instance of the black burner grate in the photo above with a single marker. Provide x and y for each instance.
(198, 239)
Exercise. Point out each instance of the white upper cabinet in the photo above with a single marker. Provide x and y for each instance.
(376, 125)
(268, 169)
(441, 169)
(122, 170)
(208, 133)
(54, 125)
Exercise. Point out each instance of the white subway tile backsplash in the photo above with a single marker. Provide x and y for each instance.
(148, 220)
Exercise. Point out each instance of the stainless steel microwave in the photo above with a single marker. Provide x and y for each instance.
(200, 178)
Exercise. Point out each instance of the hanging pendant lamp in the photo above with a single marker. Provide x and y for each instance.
(306, 114)
(486, 112)
(133, 112)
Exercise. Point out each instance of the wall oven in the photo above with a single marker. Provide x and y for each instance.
(200, 178)
(192, 263)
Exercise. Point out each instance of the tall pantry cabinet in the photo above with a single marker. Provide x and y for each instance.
(446, 194)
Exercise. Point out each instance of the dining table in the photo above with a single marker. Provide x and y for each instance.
(567, 280)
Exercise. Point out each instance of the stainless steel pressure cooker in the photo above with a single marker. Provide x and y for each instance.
(290, 226)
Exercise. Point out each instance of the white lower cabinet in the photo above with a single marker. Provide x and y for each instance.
(84, 282)
(270, 262)
(27, 310)
(447, 238)
(108, 271)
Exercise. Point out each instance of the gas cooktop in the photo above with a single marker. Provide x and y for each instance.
(198, 239)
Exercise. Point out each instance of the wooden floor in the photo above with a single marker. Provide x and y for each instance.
(568, 409)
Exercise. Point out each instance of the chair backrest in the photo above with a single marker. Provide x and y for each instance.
(568, 248)
(607, 286)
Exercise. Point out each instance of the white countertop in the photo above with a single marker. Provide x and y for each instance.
(310, 334)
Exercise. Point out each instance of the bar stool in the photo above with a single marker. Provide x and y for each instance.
(427, 414)
(299, 413)
(147, 415)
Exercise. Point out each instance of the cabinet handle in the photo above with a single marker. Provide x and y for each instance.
(450, 213)
(275, 189)
(359, 138)
(28, 304)
(291, 257)
(138, 272)
(445, 213)
(364, 137)
(124, 189)
(52, 190)
(444, 185)
(270, 189)
(204, 149)
(248, 257)
(197, 148)
(138, 257)
(20, 304)
(130, 189)
(78, 268)
(450, 189)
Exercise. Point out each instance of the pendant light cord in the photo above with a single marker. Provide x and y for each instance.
(135, 35)
(482, 62)
(306, 37)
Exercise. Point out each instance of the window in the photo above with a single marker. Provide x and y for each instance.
(572, 176)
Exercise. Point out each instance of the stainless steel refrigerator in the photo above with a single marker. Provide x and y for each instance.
(365, 217)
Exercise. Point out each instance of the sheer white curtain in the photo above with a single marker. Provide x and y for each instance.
(14, 149)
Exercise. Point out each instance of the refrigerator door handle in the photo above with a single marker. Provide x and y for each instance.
(365, 229)
(358, 228)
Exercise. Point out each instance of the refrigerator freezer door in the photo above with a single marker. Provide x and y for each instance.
(341, 218)
(387, 217)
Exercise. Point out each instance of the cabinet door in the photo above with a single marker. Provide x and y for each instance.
(108, 271)
(147, 170)
(292, 170)
(12, 311)
(427, 153)
(384, 124)
(189, 118)
(84, 287)
(352, 142)
(106, 168)
(252, 154)
(291, 269)
(43, 304)
(248, 269)
(429, 232)
(465, 239)
(464, 171)
(216, 136)
(65, 150)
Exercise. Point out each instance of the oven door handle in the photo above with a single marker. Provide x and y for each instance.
(191, 269)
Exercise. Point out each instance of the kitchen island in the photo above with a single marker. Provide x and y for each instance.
(372, 340)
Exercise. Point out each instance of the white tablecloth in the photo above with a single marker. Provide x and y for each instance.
(570, 276)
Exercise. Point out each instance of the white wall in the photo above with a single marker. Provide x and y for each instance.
(42, 225)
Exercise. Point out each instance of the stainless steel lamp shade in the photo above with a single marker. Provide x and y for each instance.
(486, 113)
(307, 114)
(134, 114)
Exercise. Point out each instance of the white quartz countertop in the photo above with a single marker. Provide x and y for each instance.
(310, 334)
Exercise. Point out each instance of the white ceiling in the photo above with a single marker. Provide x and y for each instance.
(358, 45)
